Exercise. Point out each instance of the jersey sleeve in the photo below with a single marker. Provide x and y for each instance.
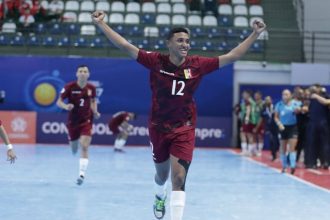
(148, 59)
(208, 64)
(94, 92)
(65, 92)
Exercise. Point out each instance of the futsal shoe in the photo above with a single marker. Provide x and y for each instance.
(283, 170)
(159, 208)
(80, 180)
(293, 170)
(117, 150)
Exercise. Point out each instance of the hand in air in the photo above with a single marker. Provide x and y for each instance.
(11, 156)
(258, 26)
(98, 16)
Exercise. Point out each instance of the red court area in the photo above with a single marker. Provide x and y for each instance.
(319, 177)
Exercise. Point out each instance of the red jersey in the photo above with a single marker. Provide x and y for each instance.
(118, 119)
(81, 98)
(173, 87)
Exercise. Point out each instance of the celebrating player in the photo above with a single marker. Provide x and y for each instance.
(259, 130)
(173, 80)
(120, 128)
(82, 109)
(10, 152)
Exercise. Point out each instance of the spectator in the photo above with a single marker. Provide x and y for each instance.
(55, 9)
(259, 129)
(26, 20)
(9, 9)
(210, 6)
(39, 13)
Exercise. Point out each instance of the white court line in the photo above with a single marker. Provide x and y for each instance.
(278, 171)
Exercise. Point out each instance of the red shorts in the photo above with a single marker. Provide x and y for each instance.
(247, 128)
(261, 129)
(114, 129)
(74, 132)
(179, 143)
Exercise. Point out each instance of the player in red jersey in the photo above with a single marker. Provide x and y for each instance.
(173, 80)
(82, 109)
(120, 128)
(10, 152)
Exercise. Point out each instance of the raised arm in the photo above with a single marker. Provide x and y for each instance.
(320, 99)
(236, 53)
(113, 36)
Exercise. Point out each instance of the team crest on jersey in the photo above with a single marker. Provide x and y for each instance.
(187, 73)
(89, 92)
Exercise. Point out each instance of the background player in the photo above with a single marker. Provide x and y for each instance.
(10, 152)
(173, 79)
(120, 128)
(259, 129)
(82, 109)
(248, 117)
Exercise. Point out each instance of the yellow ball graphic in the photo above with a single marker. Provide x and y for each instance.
(45, 94)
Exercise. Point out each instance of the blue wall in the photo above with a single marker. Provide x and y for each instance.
(122, 84)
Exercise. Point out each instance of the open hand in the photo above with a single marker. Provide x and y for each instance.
(258, 26)
(97, 115)
(69, 107)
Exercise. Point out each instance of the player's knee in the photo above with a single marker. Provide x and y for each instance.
(178, 181)
(162, 177)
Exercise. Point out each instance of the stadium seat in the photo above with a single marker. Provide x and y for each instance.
(160, 45)
(225, 10)
(164, 30)
(164, 8)
(85, 17)
(160, 1)
(44, 4)
(87, 6)
(214, 32)
(223, 46)
(179, 8)
(198, 32)
(238, 2)
(134, 31)
(179, 20)
(226, 21)
(117, 6)
(257, 47)
(194, 20)
(49, 41)
(9, 27)
(69, 17)
(72, 5)
(4, 40)
(55, 28)
(245, 33)
(148, 7)
(254, 2)
(103, 5)
(116, 18)
(148, 18)
(81, 42)
(210, 20)
(241, 21)
(163, 20)
(18, 40)
(131, 18)
(177, 1)
(151, 32)
(208, 45)
(256, 10)
(142, 43)
(72, 29)
(133, 7)
(240, 10)
(97, 42)
(63, 42)
(33, 40)
(40, 28)
(29, 2)
(223, 2)
(87, 30)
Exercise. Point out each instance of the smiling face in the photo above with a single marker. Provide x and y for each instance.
(179, 44)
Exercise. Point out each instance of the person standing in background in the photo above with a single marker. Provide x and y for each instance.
(259, 130)
(248, 118)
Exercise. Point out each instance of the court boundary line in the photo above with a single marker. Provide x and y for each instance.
(288, 175)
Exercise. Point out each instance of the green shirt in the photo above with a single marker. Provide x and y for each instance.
(252, 117)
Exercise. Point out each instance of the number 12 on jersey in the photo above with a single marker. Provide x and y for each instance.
(180, 85)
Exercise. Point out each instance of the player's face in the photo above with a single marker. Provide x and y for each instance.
(257, 96)
(83, 74)
(286, 96)
(246, 95)
(268, 100)
(179, 44)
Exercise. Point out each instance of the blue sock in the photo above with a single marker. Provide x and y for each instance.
(293, 158)
(284, 160)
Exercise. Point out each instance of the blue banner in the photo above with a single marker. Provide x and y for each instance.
(210, 131)
(33, 84)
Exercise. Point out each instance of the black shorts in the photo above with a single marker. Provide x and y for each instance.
(290, 132)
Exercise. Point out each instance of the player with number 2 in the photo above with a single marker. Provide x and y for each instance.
(82, 107)
(174, 77)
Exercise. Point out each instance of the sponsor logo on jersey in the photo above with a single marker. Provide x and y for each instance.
(187, 73)
(167, 73)
(76, 92)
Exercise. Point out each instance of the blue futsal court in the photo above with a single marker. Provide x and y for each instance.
(221, 186)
